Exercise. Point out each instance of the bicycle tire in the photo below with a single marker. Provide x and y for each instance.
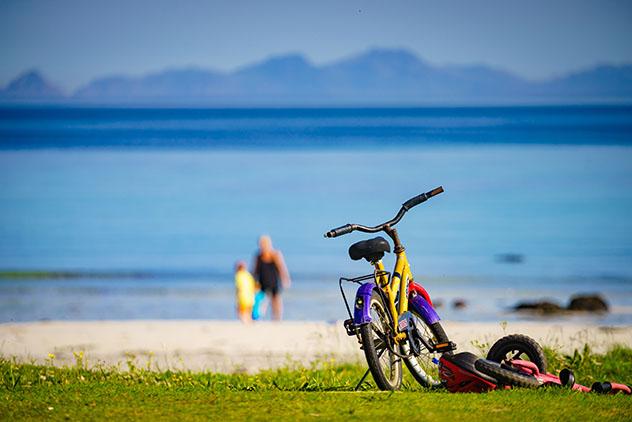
(374, 357)
(506, 376)
(521, 344)
(415, 366)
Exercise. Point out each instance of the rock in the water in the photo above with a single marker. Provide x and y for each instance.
(542, 306)
(588, 303)
(510, 258)
(459, 304)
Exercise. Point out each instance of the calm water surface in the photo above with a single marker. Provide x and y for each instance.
(182, 194)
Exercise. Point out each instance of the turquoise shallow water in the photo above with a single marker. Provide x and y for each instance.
(182, 197)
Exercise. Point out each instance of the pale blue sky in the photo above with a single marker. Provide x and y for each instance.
(73, 41)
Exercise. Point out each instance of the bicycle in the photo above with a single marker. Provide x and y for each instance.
(393, 317)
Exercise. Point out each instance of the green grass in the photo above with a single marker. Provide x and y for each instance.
(324, 392)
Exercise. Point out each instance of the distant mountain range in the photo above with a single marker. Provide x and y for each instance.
(378, 76)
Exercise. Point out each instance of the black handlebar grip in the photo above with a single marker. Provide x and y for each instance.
(347, 228)
(413, 202)
(601, 387)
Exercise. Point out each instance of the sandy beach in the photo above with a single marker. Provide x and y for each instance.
(227, 346)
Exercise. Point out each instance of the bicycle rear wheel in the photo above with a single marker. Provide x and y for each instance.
(377, 336)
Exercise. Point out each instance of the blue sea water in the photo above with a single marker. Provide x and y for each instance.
(180, 195)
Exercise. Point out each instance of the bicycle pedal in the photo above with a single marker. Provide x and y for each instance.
(445, 347)
(350, 327)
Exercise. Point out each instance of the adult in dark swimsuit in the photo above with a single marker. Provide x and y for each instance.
(272, 274)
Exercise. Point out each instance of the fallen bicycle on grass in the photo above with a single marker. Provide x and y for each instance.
(513, 361)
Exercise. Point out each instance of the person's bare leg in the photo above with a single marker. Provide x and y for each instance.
(277, 307)
(245, 316)
(263, 307)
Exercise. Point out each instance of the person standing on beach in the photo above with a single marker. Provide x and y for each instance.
(272, 274)
(245, 292)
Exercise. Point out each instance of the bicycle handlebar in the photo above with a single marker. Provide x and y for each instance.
(347, 228)
(406, 206)
(412, 202)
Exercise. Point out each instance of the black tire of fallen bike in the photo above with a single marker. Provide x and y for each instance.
(506, 376)
(518, 343)
(413, 363)
(375, 354)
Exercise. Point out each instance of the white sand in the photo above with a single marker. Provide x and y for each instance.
(227, 346)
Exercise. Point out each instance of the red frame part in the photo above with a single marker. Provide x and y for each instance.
(417, 288)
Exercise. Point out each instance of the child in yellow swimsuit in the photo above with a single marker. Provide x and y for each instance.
(245, 292)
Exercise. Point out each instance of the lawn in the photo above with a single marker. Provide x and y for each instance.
(323, 392)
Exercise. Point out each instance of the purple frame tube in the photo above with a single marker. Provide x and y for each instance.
(362, 306)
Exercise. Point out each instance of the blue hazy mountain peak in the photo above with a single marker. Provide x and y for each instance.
(30, 85)
(292, 61)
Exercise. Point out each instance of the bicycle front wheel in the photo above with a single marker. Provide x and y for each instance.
(376, 336)
(422, 367)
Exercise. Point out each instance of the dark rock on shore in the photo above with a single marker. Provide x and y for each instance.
(542, 306)
(578, 303)
(588, 303)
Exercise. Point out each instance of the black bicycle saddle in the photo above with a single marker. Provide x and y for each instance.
(371, 250)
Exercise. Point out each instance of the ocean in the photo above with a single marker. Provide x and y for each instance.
(148, 209)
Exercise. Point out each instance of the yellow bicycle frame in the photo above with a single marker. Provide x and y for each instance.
(398, 283)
